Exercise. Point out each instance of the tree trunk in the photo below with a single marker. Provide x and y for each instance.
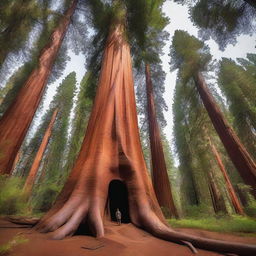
(213, 196)
(235, 201)
(16, 160)
(16, 120)
(159, 174)
(34, 168)
(111, 150)
(235, 149)
(217, 199)
(243, 196)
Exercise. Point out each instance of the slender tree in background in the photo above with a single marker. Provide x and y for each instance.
(190, 195)
(16, 160)
(217, 200)
(150, 38)
(30, 148)
(16, 120)
(30, 180)
(79, 123)
(237, 83)
(57, 148)
(191, 57)
(235, 201)
(159, 173)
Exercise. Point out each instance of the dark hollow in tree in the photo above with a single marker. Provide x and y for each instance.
(118, 199)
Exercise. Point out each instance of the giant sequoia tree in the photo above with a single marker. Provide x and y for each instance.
(191, 57)
(110, 151)
(16, 120)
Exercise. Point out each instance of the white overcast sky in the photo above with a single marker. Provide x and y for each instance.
(179, 19)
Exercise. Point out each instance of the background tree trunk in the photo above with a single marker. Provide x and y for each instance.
(16, 120)
(16, 160)
(235, 149)
(160, 178)
(36, 163)
(235, 201)
(217, 199)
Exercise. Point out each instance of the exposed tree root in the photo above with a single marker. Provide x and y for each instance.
(158, 229)
(66, 221)
(23, 220)
(191, 247)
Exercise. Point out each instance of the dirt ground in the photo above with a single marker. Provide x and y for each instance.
(124, 240)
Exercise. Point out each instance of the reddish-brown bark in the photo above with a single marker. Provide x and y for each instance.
(111, 150)
(36, 163)
(16, 120)
(159, 171)
(214, 196)
(217, 199)
(16, 160)
(235, 149)
(235, 201)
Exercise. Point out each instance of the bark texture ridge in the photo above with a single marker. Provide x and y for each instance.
(17, 119)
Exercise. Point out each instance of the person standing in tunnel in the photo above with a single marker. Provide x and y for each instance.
(118, 216)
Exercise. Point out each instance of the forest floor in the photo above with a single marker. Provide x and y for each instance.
(124, 240)
(240, 225)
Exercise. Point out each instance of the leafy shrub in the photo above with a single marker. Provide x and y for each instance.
(44, 197)
(198, 211)
(251, 208)
(12, 199)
